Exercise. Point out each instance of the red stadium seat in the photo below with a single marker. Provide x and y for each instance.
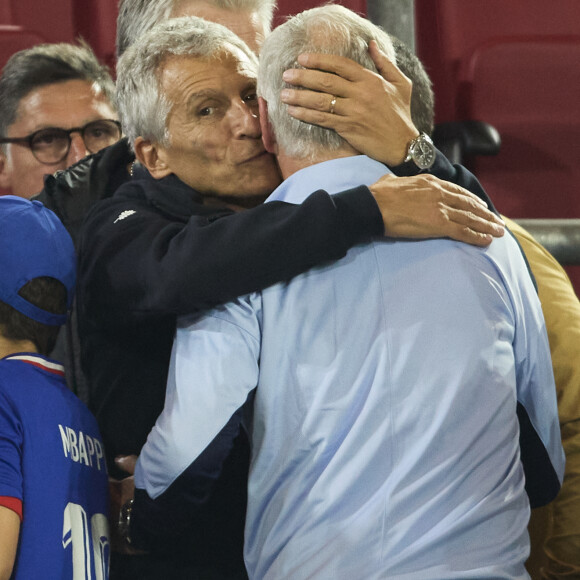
(96, 22)
(529, 90)
(5, 12)
(449, 31)
(515, 66)
(15, 38)
(53, 20)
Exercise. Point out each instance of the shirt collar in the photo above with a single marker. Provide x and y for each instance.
(38, 361)
(333, 176)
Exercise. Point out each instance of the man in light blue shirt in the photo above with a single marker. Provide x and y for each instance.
(384, 425)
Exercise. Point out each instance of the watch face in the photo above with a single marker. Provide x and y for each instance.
(423, 153)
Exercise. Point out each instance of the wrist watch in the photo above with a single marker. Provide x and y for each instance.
(421, 151)
(124, 522)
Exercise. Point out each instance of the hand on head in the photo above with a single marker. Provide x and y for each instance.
(371, 111)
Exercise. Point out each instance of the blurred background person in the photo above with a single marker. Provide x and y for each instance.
(56, 107)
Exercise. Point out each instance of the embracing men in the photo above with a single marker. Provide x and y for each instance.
(384, 426)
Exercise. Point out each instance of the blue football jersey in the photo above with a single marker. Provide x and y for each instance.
(52, 458)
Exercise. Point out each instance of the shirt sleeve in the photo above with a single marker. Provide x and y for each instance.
(213, 371)
(136, 258)
(540, 439)
(12, 503)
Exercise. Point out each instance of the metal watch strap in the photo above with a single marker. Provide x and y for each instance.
(421, 151)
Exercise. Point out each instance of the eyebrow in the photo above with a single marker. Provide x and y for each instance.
(44, 126)
(203, 94)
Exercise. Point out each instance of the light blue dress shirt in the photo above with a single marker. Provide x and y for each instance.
(385, 437)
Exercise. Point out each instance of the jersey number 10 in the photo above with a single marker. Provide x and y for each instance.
(90, 543)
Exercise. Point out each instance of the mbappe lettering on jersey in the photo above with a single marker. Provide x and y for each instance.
(82, 448)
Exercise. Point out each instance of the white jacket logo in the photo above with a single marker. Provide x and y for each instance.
(124, 214)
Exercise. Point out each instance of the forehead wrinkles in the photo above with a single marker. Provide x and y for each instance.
(180, 75)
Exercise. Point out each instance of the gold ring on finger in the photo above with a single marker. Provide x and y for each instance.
(332, 103)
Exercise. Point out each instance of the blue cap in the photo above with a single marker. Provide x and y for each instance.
(33, 243)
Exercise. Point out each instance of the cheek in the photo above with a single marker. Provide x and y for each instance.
(28, 174)
(24, 165)
(212, 142)
(214, 152)
(207, 154)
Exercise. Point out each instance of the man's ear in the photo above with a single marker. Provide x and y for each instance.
(268, 137)
(5, 172)
(152, 156)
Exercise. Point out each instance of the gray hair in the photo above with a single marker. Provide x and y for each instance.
(143, 108)
(48, 64)
(422, 97)
(137, 17)
(330, 29)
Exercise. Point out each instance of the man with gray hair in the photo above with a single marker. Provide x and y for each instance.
(56, 107)
(187, 96)
(389, 385)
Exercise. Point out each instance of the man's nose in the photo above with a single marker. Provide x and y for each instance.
(246, 121)
(77, 150)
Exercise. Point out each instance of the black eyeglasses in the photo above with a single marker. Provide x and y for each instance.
(52, 145)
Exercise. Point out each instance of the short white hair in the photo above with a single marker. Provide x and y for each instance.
(330, 29)
(143, 108)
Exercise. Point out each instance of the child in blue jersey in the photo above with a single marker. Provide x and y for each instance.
(53, 479)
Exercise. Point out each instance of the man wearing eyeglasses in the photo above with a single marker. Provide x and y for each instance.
(56, 107)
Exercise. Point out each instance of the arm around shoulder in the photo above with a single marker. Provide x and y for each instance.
(136, 256)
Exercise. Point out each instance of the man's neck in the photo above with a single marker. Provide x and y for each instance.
(289, 165)
(8, 347)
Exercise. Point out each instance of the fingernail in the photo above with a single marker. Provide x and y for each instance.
(287, 75)
(284, 94)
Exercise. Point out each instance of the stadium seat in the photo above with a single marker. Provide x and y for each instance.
(513, 66)
(15, 38)
(529, 89)
(51, 19)
(449, 31)
(96, 22)
(5, 12)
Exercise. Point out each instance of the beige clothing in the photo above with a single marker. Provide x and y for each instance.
(555, 529)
